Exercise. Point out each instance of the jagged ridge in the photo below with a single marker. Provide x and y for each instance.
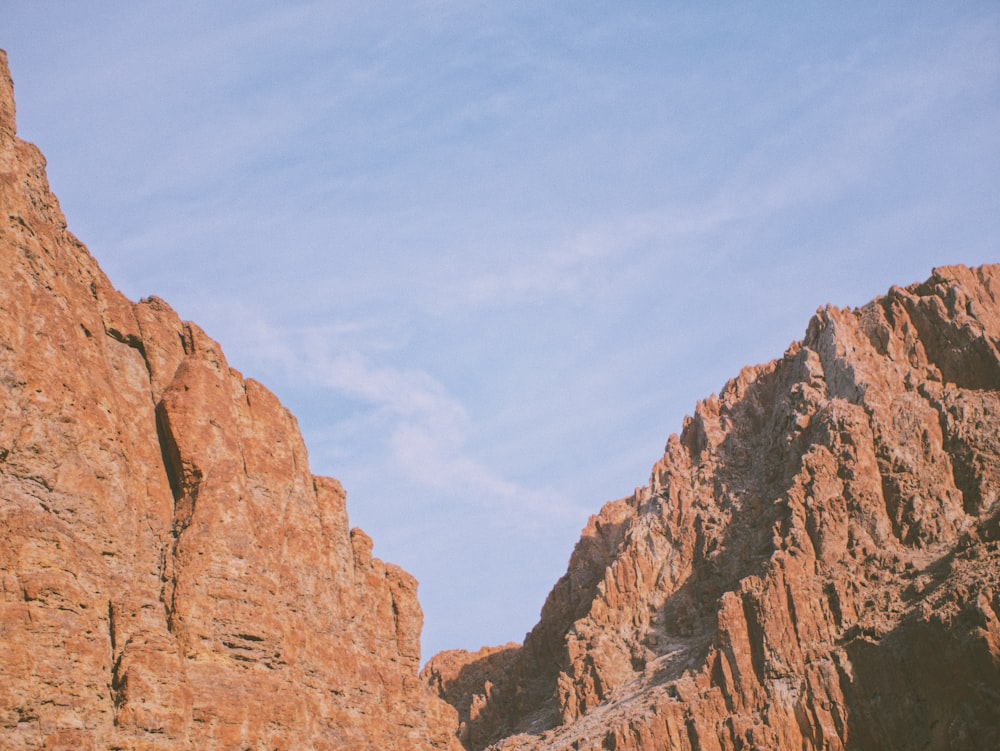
(814, 564)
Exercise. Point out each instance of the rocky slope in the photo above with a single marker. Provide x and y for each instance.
(171, 574)
(815, 563)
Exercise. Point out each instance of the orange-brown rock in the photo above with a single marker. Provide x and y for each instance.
(465, 680)
(171, 574)
(815, 563)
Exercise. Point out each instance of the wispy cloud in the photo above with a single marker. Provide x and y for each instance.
(828, 139)
(423, 429)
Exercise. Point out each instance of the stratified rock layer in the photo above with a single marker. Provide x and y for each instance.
(814, 565)
(171, 574)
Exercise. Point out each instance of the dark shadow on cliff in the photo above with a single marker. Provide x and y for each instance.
(934, 679)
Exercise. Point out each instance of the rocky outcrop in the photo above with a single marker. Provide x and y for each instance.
(171, 574)
(815, 563)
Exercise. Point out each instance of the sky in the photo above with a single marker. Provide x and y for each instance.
(490, 254)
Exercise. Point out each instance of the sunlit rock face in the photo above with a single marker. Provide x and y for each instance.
(171, 574)
(815, 563)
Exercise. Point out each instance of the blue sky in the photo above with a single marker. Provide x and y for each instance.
(490, 254)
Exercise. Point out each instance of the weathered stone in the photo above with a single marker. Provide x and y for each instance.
(171, 574)
(815, 563)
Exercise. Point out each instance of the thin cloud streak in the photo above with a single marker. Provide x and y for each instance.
(806, 161)
(424, 428)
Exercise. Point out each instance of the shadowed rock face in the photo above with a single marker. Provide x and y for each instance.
(171, 574)
(815, 563)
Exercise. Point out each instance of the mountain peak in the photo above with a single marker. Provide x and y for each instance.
(816, 555)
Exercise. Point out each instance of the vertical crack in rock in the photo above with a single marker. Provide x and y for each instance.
(184, 496)
(170, 455)
(118, 679)
(184, 480)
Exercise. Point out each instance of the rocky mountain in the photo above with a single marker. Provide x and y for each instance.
(815, 563)
(171, 574)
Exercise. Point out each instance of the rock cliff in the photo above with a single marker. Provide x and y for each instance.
(171, 574)
(815, 563)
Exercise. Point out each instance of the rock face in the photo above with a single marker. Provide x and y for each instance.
(171, 574)
(815, 563)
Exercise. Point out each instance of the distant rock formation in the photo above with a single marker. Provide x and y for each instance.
(814, 565)
(171, 574)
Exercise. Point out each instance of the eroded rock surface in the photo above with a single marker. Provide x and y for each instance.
(815, 563)
(171, 574)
